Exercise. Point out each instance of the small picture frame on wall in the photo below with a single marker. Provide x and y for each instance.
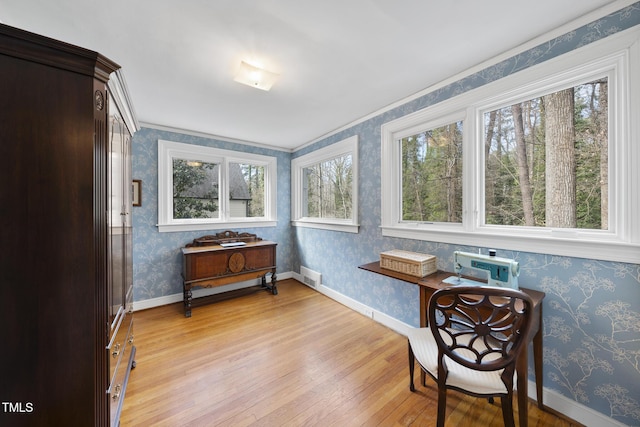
(137, 192)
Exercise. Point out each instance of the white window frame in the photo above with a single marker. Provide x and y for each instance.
(348, 146)
(618, 58)
(169, 150)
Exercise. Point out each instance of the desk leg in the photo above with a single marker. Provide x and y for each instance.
(424, 299)
(187, 297)
(537, 362)
(521, 368)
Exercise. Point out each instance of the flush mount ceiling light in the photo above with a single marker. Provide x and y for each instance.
(257, 77)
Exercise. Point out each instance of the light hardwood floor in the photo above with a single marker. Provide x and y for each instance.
(294, 359)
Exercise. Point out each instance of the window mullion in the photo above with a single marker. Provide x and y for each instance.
(472, 172)
(223, 190)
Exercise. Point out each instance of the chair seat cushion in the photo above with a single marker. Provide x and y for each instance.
(425, 350)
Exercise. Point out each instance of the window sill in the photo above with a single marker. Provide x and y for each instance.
(569, 247)
(168, 228)
(346, 228)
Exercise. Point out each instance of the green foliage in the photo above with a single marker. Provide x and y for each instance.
(192, 196)
(588, 148)
(329, 188)
(432, 175)
(254, 181)
(503, 190)
(432, 165)
(504, 204)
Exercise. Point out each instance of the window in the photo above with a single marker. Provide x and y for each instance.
(195, 189)
(324, 187)
(431, 170)
(546, 160)
(539, 161)
(202, 188)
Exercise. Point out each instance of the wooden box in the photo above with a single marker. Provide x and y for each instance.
(412, 263)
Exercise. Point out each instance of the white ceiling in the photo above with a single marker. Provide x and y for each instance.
(338, 60)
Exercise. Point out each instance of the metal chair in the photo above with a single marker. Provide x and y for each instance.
(472, 344)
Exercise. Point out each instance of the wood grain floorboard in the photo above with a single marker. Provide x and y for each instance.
(293, 359)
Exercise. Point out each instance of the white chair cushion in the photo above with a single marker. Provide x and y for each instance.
(425, 350)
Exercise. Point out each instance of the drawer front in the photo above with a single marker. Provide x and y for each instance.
(118, 348)
(261, 257)
(121, 363)
(117, 341)
(210, 264)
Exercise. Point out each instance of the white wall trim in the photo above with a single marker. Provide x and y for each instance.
(211, 136)
(572, 409)
(382, 318)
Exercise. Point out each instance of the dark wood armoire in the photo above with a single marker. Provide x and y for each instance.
(66, 324)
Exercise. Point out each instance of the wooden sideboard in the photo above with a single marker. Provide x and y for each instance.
(216, 265)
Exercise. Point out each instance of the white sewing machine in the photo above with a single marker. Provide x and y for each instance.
(501, 272)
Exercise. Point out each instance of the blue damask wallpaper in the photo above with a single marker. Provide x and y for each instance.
(591, 311)
(157, 260)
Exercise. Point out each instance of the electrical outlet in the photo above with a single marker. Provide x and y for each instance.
(368, 312)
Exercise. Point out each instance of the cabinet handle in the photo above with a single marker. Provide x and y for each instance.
(116, 394)
(116, 350)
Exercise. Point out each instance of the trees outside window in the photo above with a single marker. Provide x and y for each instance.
(203, 188)
(195, 189)
(544, 164)
(324, 187)
(329, 188)
(432, 175)
(546, 160)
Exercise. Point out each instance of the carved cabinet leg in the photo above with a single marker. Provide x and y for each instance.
(187, 301)
(274, 289)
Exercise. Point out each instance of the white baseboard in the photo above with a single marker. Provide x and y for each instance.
(382, 318)
(552, 399)
(572, 409)
(202, 292)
